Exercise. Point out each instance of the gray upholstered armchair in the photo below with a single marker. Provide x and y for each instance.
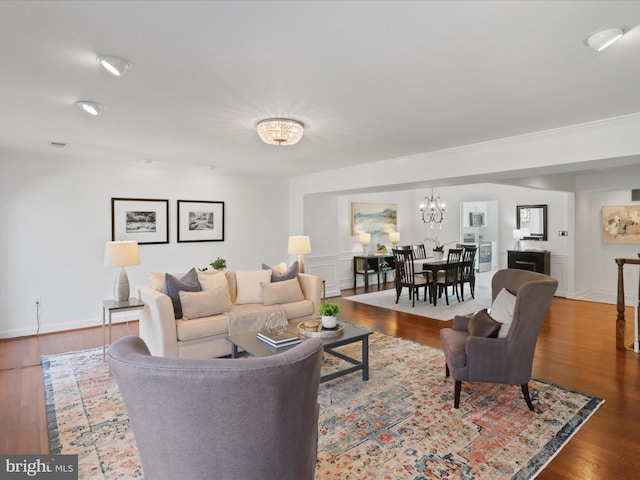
(199, 419)
(506, 360)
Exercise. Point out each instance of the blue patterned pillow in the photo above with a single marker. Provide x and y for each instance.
(174, 285)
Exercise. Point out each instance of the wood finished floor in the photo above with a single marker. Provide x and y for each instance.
(576, 349)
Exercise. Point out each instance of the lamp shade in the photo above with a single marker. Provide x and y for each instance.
(394, 237)
(517, 234)
(365, 238)
(299, 245)
(121, 254)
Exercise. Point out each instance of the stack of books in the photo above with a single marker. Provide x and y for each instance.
(287, 338)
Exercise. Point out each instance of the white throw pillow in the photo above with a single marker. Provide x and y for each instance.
(210, 280)
(502, 310)
(205, 303)
(249, 285)
(277, 293)
(156, 281)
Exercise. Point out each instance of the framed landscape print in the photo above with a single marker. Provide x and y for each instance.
(621, 224)
(142, 220)
(200, 221)
(374, 218)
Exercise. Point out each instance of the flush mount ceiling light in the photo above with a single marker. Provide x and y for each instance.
(603, 38)
(115, 65)
(280, 131)
(92, 108)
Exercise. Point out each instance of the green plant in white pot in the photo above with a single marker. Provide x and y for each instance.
(219, 263)
(328, 312)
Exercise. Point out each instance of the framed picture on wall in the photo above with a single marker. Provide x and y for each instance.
(621, 224)
(200, 221)
(374, 218)
(143, 220)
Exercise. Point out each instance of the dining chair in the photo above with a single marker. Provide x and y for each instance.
(406, 276)
(467, 272)
(419, 251)
(448, 276)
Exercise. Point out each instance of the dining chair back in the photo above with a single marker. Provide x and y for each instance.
(468, 270)
(406, 276)
(448, 276)
(419, 251)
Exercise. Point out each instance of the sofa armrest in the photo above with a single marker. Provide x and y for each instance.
(158, 322)
(311, 286)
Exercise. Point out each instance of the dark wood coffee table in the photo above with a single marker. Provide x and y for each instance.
(247, 341)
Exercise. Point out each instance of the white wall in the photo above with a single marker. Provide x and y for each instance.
(56, 218)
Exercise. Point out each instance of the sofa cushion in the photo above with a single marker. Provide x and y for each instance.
(205, 303)
(502, 310)
(279, 268)
(248, 284)
(156, 281)
(286, 291)
(482, 325)
(296, 310)
(202, 327)
(278, 275)
(211, 280)
(173, 286)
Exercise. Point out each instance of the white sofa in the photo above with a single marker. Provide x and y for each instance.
(205, 337)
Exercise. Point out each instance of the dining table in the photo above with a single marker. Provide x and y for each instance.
(430, 264)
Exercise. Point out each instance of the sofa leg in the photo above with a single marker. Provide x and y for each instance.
(456, 394)
(527, 398)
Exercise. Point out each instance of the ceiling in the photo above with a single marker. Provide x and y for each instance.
(371, 81)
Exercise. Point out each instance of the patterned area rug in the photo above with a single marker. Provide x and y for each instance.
(401, 424)
(442, 311)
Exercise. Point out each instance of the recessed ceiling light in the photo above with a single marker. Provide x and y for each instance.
(115, 65)
(92, 108)
(603, 38)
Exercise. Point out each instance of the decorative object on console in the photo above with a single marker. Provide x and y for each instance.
(380, 248)
(299, 245)
(280, 131)
(121, 254)
(144, 220)
(365, 239)
(519, 234)
(432, 210)
(200, 221)
(328, 312)
(394, 238)
(375, 218)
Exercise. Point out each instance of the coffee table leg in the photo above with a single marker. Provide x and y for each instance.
(365, 358)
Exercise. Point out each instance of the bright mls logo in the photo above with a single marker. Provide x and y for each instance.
(52, 467)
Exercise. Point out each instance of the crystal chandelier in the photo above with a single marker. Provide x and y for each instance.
(280, 131)
(432, 210)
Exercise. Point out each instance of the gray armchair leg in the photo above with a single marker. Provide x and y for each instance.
(456, 394)
(527, 398)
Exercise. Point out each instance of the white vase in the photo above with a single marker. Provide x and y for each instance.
(438, 255)
(329, 321)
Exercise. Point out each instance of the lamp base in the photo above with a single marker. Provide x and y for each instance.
(121, 286)
(300, 264)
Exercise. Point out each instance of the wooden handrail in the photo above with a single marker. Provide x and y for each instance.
(620, 320)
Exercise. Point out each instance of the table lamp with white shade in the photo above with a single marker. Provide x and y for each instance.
(121, 254)
(394, 237)
(299, 245)
(365, 239)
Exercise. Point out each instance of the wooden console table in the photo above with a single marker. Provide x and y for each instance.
(620, 320)
(379, 263)
(535, 261)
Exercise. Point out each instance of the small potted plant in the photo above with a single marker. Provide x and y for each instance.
(219, 264)
(328, 312)
(380, 248)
